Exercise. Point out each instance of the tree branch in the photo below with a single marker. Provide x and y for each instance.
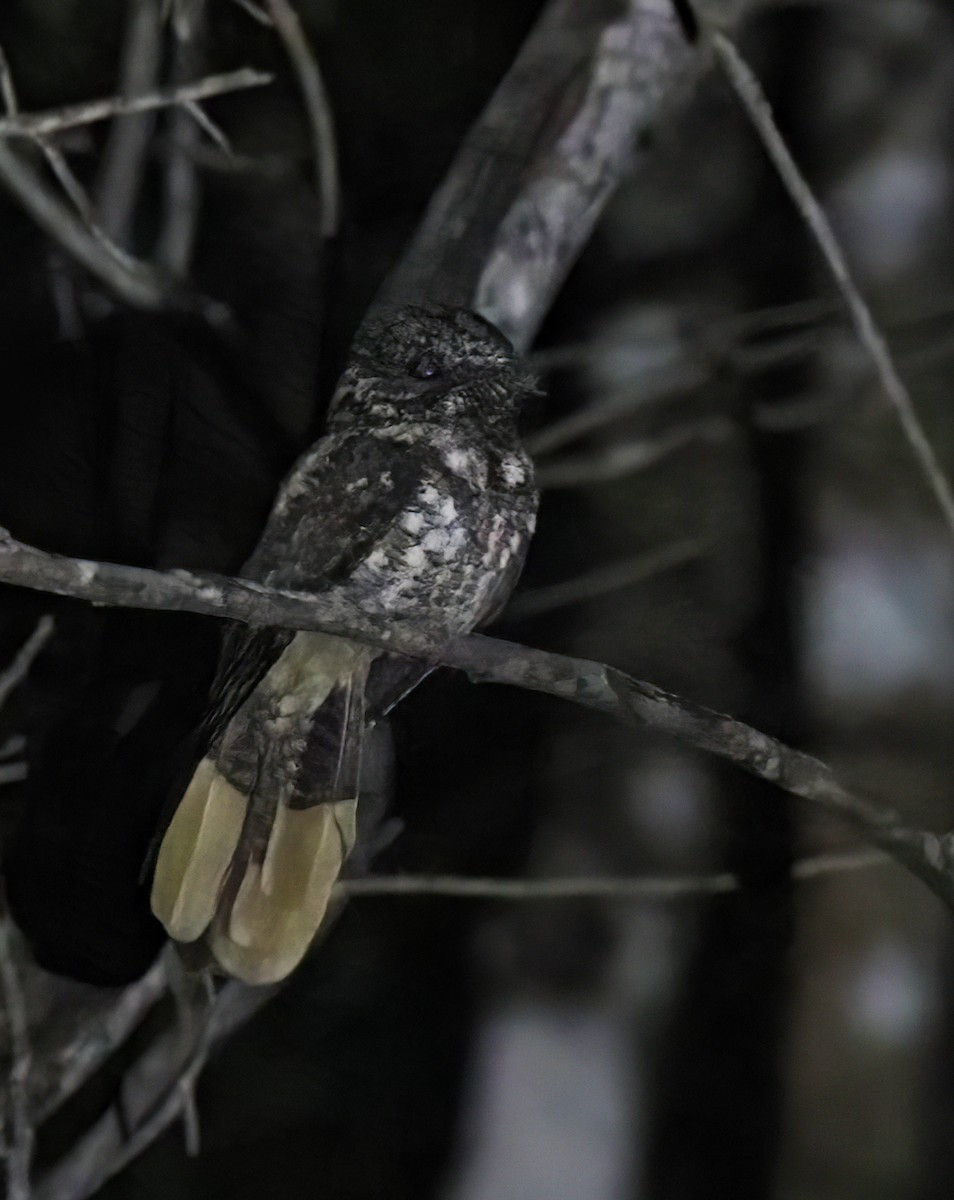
(534, 174)
(594, 685)
(12, 676)
(753, 99)
(647, 887)
(70, 116)
(18, 1126)
(327, 180)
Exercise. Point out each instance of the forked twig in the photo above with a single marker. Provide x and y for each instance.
(70, 116)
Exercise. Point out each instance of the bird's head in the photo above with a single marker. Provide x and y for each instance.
(430, 364)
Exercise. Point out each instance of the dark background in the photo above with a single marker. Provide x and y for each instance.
(790, 1040)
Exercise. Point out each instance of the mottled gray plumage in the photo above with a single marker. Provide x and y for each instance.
(418, 505)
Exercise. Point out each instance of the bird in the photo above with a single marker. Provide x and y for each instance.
(416, 507)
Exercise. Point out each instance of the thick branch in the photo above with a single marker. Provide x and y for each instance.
(488, 660)
(530, 181)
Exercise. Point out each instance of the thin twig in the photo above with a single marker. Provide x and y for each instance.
(13, 675)
(70, 116)
(594, 685)
(84, 1040)
(215, 132)
(607, 579)
(256, 13)
(60, 168)
(327, 181)
(650, 887)
(643, 393)
(753, 99)
(20, 1139)
(619, 459)
(182, 191)
(162, 1092)
(134, 281)
(8, 91)
(14, 744)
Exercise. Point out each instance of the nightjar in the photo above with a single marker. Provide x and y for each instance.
(417, 507)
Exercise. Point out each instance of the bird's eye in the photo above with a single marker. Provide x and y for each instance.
(425, 367)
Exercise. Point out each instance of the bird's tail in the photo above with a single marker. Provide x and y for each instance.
(260, 835)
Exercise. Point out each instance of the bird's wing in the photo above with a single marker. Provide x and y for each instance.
(262, 828)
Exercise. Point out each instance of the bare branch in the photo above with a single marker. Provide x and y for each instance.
(606, 579)
(15, 744)
(535, 172)
(656, 387)
(13, 675)
(33, 125)
(619, 459)
(120, 174)
(753, 99)
(649, 887)
(256, 13)
(8, 91)
(135, 282)
(215, 132)
(327, 181)
(158, 1100)
(85, 1040)
(487, 660)
(182, 192)
(19, 1126)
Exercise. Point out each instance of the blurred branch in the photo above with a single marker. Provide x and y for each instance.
(657, 386)
(487, 660)
(288, 27)
(181, 191)
(606, 579)
(155, 1091)
(64, 1062)
(134, 281)
(18, 1127)
(255, 12)
(68, 117)
(753, 99)
(15, 744)
(618, 459)
(535, 172)
(12, 676)
(120, 173)
(650, 887)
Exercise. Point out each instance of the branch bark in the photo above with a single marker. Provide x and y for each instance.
(594, 685)
(534, 174)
